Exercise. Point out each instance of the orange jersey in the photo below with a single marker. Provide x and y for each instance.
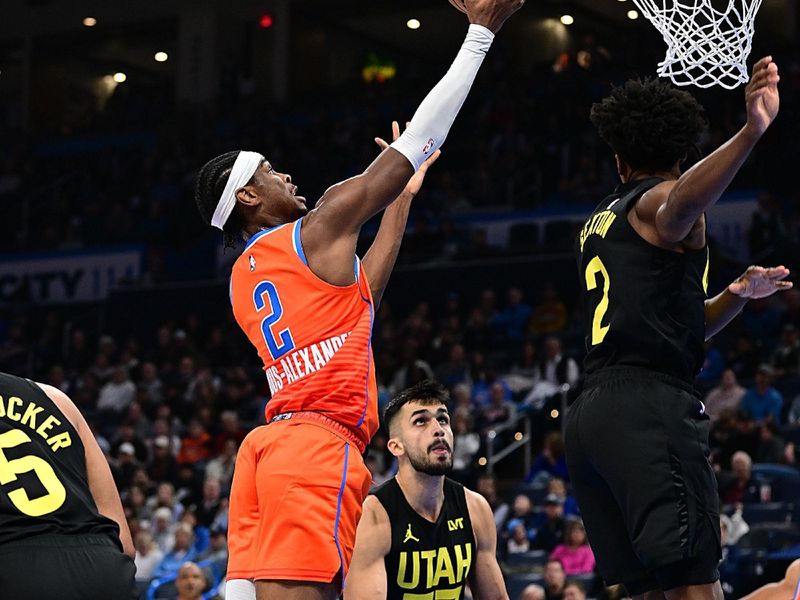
(313, 337)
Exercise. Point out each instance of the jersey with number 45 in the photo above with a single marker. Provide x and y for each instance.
(313, 337)
(643, 305)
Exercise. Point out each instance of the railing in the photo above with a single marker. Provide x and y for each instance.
(522, 437)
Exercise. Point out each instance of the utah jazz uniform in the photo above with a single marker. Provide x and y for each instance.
(427, 560)
(53, 541)
(306, 463)
(637, 437)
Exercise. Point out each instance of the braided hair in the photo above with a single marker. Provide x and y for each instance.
(648, 123)
(211, 183)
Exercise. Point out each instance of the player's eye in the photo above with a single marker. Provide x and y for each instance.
(419, 421)
(444, 420)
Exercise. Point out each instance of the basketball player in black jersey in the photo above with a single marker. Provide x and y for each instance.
(63, 533)
(637, 437)
(421, 534)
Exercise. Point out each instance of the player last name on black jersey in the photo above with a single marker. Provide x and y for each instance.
(43, 483)
(644, 305)
(427, 561)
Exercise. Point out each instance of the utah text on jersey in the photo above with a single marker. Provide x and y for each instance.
(438, 567)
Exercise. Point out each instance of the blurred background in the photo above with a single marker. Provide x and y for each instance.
(114, 290)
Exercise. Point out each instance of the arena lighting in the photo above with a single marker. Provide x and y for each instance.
(89, 21)
(482, 461)
(518, 436)
(120, 77)
(161, 56)
(413, 24)
(554, 413)
(567, 19)
(265, 22)
(633, 15)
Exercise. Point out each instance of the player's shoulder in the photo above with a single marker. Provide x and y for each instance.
(63, 403)
(480, 513)
(374, 515)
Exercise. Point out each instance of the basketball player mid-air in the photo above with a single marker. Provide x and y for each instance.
(423, 535)
(637, 437)
(306, 303)
(63, 533)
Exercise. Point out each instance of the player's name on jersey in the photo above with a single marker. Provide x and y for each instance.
(303, 362)
(33, 416)
(599, 224)
(437, 565)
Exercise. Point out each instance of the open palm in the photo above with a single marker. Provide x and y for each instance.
(759, 282)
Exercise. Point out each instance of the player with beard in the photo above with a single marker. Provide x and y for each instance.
(421, 533)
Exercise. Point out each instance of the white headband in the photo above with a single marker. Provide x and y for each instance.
(246, 164)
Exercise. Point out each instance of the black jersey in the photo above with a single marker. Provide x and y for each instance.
(43, 484)
(643, 306)
(427, 557)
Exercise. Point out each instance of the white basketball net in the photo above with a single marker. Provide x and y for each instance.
(705, 46)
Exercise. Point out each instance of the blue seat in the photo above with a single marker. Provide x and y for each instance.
(768, 512)
(530, 560)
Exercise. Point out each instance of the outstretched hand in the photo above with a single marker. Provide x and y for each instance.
(489, 13)
(761, 95)
(415, 183)
(760, 282)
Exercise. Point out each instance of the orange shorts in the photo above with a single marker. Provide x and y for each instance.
(295, 502)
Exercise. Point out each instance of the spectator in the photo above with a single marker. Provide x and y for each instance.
(763, 401)
(182, 550)
(195, 447)
(190, 582)
(786, 358)
(487, 487)
(532, 592)
(522, 511)
(117, 394)
(557, 368)
(712, 366)
(550, 315)
(500, 410)
(518, 541)
(739, 487)
(126, 466)
(127, 435)
(558, 487)
(212, 503)
(726, 396)
(163, 466)
(148, 556)
(231, 430)
(575, 554)
(551, 462)
(164, 529)
(550, 527)
(217, 550)
(511, 322)
(455, 370)
(221, 467)
(771, 446)
(574, 590)
(555, 580)
(466, 444)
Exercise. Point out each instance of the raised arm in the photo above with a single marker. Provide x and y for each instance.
(681, 203)
(329, 232)
(380, 258)
(755, 282)
(101, 483)
(486, 579)
(366, 579)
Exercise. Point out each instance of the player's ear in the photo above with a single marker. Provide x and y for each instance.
(395, 446)
(247, 195)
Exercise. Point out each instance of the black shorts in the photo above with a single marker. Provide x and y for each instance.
(67, 567)
(637, 453)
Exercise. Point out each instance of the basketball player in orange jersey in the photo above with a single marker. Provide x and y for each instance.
(307, 303)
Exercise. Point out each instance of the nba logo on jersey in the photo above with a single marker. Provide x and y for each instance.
(428, 146)
(252, 263)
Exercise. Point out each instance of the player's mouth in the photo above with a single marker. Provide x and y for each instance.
(293, 191)
(440, 449)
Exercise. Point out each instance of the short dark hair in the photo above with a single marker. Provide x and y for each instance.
(577, 584)
(211, 183)
(425, 392)
(649, 123)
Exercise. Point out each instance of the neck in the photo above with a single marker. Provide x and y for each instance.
(639, 174)
(424, 493)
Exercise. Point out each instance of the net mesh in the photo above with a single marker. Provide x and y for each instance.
(705, 46)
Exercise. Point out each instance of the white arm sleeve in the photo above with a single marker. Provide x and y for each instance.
(434, 117)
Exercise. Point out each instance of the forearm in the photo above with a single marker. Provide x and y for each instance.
(379, 260)
(431, 123)
(702, 185)
(721, 310)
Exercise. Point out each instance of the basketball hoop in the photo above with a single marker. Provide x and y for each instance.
(705, 46)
